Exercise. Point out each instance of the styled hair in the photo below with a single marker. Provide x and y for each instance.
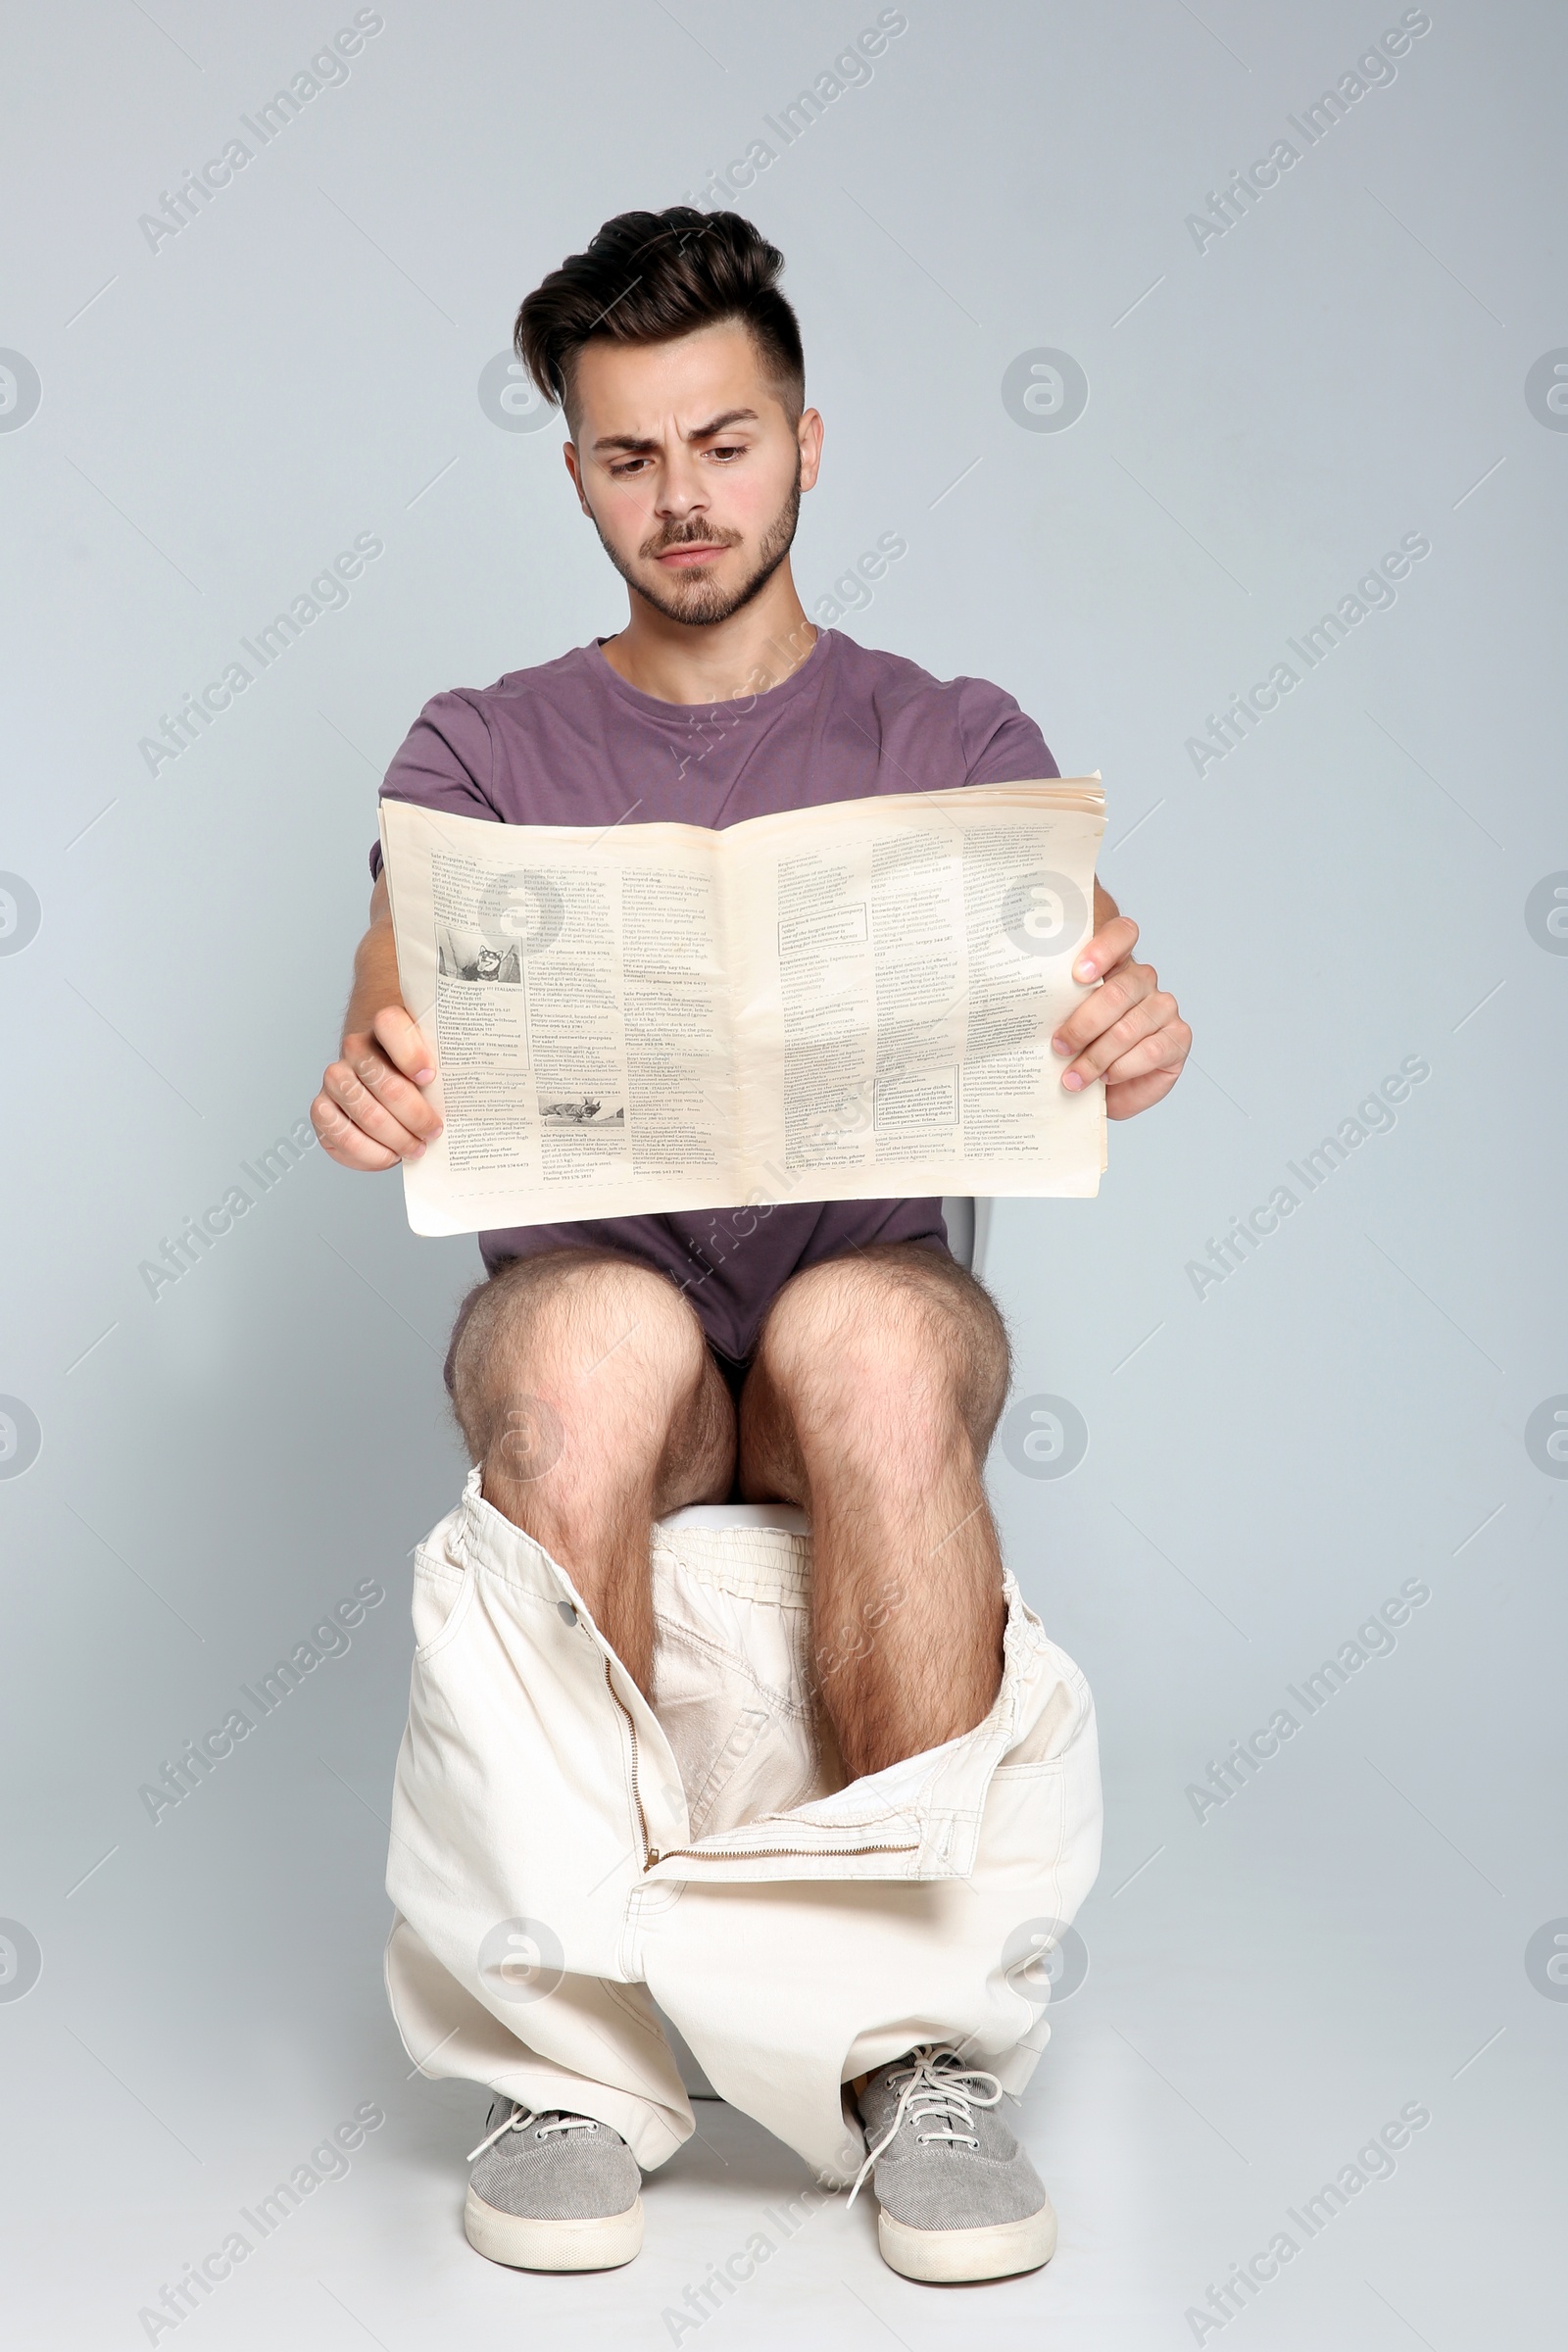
(647, 277)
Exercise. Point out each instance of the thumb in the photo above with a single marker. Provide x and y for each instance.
(402, 1041)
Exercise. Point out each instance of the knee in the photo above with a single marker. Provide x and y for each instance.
(901, 1351)
(571, 1343)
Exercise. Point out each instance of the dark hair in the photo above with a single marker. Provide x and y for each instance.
(647, 277)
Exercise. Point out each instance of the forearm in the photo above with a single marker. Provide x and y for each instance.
(370, 1112)
(375, 968)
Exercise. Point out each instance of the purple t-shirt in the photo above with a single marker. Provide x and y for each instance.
(570, 743)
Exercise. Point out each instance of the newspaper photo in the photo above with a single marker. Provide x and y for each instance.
(850, 1001)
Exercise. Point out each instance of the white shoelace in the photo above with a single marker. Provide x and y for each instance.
(522, 2116)
(936, 2092)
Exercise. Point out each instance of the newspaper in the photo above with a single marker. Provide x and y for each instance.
(843, 1003)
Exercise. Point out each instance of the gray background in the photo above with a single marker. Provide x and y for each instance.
(1265, 1465)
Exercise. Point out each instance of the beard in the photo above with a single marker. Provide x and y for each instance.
(695, 598)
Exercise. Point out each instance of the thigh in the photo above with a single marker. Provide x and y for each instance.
(586, 1368)
(857, 1346)
(512, 1287)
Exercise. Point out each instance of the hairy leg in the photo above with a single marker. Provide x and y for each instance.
(583, 1386)
(877, 1383)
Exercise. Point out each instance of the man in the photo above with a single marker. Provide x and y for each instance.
(833, 1356)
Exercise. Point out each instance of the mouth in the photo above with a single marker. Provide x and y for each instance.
(679, 559)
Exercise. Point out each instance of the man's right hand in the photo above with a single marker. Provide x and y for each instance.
(370, 1112)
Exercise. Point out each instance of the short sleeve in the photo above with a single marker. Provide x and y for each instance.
(1002, 744)
(446, 761)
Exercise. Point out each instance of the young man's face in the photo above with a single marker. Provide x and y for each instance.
(689, 468)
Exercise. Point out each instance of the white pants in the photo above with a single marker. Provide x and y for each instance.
(561, 1850)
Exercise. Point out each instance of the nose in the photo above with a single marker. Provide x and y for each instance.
(683, 491)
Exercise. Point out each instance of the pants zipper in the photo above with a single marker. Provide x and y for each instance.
(831, 1853)
(651, 1853)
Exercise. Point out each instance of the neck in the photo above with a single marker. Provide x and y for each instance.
(755, 650)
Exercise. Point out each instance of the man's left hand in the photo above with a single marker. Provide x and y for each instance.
(1129, 1031)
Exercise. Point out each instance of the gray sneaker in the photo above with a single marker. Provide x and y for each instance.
(960, 2199)
(553, 2191)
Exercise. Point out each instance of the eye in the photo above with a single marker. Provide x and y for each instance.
(627, 466)
(732, 449)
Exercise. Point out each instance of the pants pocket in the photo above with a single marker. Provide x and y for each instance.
(443, 1592)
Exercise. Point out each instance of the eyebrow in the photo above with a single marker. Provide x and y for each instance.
(702, 432)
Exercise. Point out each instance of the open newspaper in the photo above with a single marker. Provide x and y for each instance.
(843, 1003)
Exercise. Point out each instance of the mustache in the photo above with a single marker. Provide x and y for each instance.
(697, 537)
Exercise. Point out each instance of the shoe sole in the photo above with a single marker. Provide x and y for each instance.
(602, 2242)
(945, 2257)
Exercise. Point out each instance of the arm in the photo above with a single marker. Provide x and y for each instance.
(370, 1112)
(1129, 1032)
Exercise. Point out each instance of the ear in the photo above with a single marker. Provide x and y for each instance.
(568, 451)
(809, 435)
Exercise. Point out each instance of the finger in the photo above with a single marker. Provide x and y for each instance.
(1154, 1014)
(369, 1151)
(1127, 985)
(1139, 1094)
(397, 1034)
(1165, 1048)
(1107, 946)
(345, 1143)
(347, 1090)
(395, 1093)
